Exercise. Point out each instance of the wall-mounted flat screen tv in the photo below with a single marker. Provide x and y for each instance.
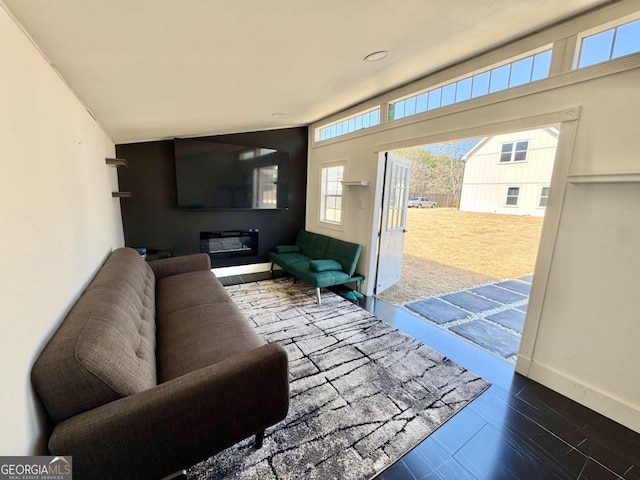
(212, 176)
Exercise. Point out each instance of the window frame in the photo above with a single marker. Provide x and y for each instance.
(322, 219)
(517, 197)
(546, 197)
(513, 152)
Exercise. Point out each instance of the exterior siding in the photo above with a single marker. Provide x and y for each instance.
(486, 180)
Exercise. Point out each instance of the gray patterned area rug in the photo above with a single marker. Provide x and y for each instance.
(362, 393)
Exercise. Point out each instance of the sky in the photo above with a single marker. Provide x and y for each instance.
(462, 146)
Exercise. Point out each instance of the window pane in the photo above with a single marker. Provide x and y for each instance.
(410, 106)
(522, 146)
(366, 118)
(541, 65)
(375, 117)
(513, 191)
(463, 90)
(434, 98)
(421, 103)
(627, 39)
(500, 78)
(521, 72)
(398, 110)
(448, 94)
(596, 48)
(507, 149)
(512, 200)
(358, 122)
(352, 125)
(480, 84)
(520, 156)
(544, 191)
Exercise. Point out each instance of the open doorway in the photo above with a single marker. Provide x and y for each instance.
(468, 262)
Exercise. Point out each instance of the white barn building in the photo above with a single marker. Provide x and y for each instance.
(510, 173)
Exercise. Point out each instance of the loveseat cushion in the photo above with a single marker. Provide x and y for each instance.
(312, 244)
(198, 325)
(302, 271)
(325, 265)
(346, 253)
(105, 347)
(287, 249)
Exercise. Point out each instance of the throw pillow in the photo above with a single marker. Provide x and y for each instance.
(287, 249)
(325, 265)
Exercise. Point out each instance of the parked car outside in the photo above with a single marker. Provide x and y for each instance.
(421, 202)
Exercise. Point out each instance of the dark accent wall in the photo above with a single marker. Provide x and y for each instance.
(152, 219)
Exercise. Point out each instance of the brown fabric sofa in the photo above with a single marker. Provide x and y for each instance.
(154, 369)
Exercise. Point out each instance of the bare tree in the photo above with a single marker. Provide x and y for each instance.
(438, 170)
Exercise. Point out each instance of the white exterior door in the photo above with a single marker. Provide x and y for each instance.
(393, 221)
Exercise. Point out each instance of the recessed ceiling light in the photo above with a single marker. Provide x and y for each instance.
(375, 56)
(278, 114)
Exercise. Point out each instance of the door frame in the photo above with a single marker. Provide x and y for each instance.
(568, 120)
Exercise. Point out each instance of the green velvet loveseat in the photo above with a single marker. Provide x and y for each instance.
(319, 260)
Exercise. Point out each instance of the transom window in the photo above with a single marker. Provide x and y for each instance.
(331, 194)
(367, 119)
(512, 196)
(518, 72)
(514, 152)
(613, 43)
(544, 196)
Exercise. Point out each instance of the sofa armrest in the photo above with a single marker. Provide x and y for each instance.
(178, 423)
(176, 265)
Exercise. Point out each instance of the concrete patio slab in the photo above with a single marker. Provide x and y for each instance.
(437, 311)
(491, 337)
(516, 286)
(498, 294)
(471, 302)
(512, 318)
(491, 316)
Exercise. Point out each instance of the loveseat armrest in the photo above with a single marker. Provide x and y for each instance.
(178, 423)
(175, 265)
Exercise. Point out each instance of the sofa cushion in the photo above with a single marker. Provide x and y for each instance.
(105, 347)
(198, 325)
(287, 249)
(325, 265)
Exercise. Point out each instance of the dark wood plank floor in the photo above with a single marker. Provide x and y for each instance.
(517, 429)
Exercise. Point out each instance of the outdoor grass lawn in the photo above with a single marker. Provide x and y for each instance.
(446, 250)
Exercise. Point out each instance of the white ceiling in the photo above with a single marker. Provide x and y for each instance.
(151, 69)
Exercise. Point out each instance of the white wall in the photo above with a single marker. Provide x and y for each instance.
(486, 179)
(578, 341)
(58, 221)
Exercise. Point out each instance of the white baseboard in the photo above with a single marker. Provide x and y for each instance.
(243, 269)
(616, 409)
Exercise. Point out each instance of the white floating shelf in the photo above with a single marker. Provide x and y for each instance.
(355, 183)
(588, 178)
